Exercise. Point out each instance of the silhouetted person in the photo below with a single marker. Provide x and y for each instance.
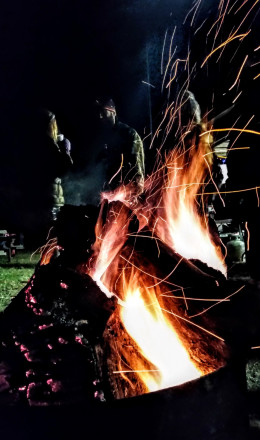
(122, 153)
(49, 160)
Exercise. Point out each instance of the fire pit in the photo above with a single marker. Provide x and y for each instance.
(65, 346)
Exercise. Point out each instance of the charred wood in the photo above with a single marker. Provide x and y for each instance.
(49, 338)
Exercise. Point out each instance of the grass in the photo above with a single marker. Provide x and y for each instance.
(14, 275)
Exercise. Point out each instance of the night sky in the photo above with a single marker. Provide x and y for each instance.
(62, 55)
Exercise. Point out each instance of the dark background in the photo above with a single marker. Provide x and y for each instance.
(62, 55)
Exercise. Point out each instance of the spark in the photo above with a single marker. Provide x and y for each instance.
(239, 72)
(169, 59)
(154, 226)
(147, 273)
(163, 219)
(257, 48)
(216, 130)
(193, 323)
(49, 232)
(232, 38)
(149, 84)
(248, 236)
(200, 26)
(46, 250)
(220, 6)
(118, 171)
(168, 276)
(135, 371)
(214, 24)
(45, 246)
(229, 192)
(195, 6)
(177, 109)
(142, 215)
(196, 10)
(214, 183)
(247, 15)
(257, 76)
(240, 7)
(176, 64)
(172, 37)
(257, 195)
(120, 357)
(157, 131)
(183, 186)
(219, 302)
(252, 117)
(232, 6)
(222, 19)
(195, 299)
(187, 60)
(147, 136)
(165, 36)
(145, 236)
(204, 211)
(236, 97)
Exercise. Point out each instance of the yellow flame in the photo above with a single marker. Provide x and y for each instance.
(185, 229)
(158, 342)
(160, 359)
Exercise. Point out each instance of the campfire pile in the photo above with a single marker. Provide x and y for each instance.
(69, 335)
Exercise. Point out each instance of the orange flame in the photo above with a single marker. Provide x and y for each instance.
(184, 228)
(173, 210)
(170, 211)
(158, 342)
(110, 237)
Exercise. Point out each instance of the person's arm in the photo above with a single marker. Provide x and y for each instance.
(138, 152)
(65, 148)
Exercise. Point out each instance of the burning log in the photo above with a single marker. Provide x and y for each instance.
(170, 294)
(140, 265)
(168, 252)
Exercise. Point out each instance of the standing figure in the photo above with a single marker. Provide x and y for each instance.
(62, 147)
(122, 152)
(42, 194)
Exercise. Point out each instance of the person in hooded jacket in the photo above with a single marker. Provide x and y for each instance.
(122, 152)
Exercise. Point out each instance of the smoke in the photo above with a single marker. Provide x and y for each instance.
(84, 187)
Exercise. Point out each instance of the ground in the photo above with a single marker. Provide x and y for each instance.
(14, 275)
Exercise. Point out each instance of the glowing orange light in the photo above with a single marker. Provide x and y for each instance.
(239, 72)
(185, 230)
(241, 130)
(248, 237)
(231, 38)
(158, 342)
